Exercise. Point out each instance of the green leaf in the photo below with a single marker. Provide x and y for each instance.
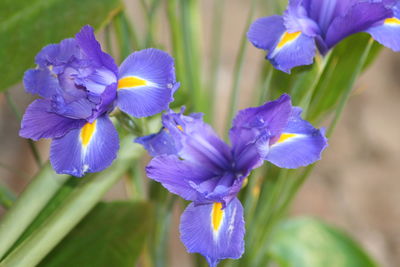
(308, 242)
(28, 25)
(345, 64)
(113, 234)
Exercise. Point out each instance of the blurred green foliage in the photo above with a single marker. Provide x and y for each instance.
(28, 25)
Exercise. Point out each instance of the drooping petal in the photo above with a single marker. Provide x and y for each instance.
(177, 175)
(359, 17)
(214, 232)
(91, 148)
(146, 83)
(388, 33)
(265, 32)
(92, 49)
(39, 123)
(300, 144)
(292, 50)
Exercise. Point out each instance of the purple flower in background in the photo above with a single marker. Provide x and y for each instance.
(292, 39)
(190, 160)
(80, 85)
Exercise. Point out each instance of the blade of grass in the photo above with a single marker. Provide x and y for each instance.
(32, 250)
(28, 205)
(237, 73)
(18, 115)
(216, 36)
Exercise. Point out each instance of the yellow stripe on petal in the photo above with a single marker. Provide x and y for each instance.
(288, 37)
(87, 132)
(392, 21)
(130, 82)
(217, 215)
(285, 136)
(180, 128)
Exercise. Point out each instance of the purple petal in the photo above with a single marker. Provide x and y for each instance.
(264, 33)
(177, 175)
(146, 83)
(292, 50)
(299, 145)
(157, 144)
(41, 82)
(92, 49)
(38, 122)
(387, 34)
(216, 234)
(91, 148)
(359, 17)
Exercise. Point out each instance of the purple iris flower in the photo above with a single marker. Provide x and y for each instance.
(307, 25)
(80, 85)
(190, 160)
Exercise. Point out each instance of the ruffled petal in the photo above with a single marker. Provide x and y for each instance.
(388, 33)
(178, 175)
(91, 148)
(300, 144)
(41, 82)
(146, 83)
(39, 123)
(359, 17)
(214, 232)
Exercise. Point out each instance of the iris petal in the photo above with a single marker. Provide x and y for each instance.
(91, 148)
(216, 234)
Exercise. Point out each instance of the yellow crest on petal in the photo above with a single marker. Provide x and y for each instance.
(131, 81)
(217, 215)
(87, 132)
(392, 21)
(284, 137)
(287, 37)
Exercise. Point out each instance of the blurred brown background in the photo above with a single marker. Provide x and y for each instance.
(356, 186)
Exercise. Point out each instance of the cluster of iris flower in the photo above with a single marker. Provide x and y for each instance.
(80, 85)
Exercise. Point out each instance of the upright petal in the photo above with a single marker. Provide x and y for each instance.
(300, 144)
(91, 148)
(387, 33)
(92, 49)
(254, 126)
(265, 32)
(359, 17)
(146, 83)
(214, 232)
(196, 141)
(39, 123)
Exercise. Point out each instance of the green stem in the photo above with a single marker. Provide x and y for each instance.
(237, 73)
(18, 115)
(177, 44)
(216, 37)
(190, 26)
(33, 249)
(28, 205)
(7, 197)
(349, 88)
